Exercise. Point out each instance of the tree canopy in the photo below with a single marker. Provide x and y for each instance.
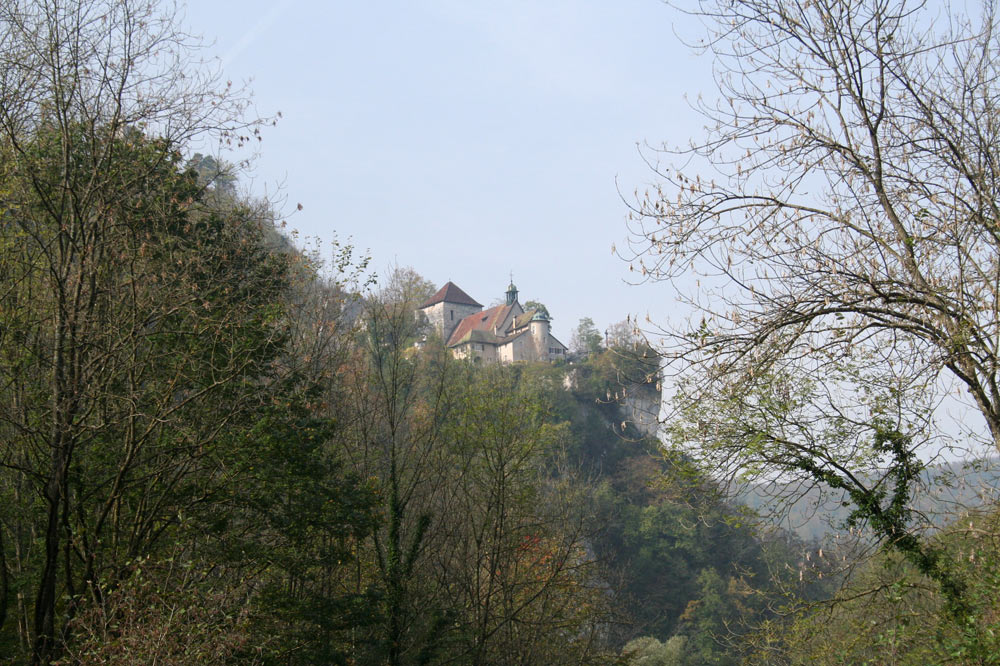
(586, 338)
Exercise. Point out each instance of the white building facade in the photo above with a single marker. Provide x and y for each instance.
(501, 334)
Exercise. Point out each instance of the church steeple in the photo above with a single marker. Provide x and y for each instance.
(511, 291)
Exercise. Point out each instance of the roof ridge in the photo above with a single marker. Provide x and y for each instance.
(450, 293)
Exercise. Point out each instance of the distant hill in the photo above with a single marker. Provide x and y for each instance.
(947, 489)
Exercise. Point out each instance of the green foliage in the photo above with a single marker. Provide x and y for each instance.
(648, 651)
(537, 306)
(609, 375)
(586, 338)
(405, 286)
(479, 555)
(889, 614)
(213, 174)
(676, 543)
(172, 611)
(175, 420)
(689, 569)
(891, 521)
(309, 515)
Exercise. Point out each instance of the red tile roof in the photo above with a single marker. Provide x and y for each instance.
(481, 321)
(450, 293)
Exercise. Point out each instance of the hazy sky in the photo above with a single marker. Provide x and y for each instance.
(469, 139)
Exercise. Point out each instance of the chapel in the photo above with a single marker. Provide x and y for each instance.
(501, 334)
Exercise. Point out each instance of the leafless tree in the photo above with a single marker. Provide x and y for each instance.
(840, 218)
(836, 232)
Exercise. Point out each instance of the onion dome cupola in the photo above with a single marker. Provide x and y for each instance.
(511, 293)
(540, 315)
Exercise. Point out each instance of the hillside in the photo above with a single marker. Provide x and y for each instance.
(945, 490)
(685, 565)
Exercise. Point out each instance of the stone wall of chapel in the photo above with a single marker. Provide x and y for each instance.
(435, 317)
(444, 317)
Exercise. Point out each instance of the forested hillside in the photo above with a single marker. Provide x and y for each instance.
(219, 448)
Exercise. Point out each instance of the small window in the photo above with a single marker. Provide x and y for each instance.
(452, 313)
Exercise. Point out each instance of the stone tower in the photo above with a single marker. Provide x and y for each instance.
(449, 306)
(539, 326)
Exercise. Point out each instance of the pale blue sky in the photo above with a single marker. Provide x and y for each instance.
(468, 139)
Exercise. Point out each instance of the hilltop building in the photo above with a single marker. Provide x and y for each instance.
(501, 334)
